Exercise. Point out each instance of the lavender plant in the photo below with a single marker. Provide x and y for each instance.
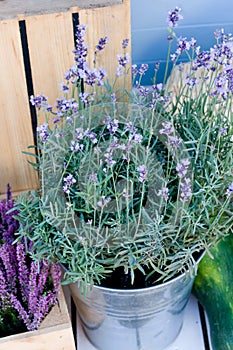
(27, 290)
(135, 180)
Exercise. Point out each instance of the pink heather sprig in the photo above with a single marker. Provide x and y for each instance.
(23, 272)
(33, 288)
(8, 259)
(29, 290)
(18, 306)
(43, 275)
(4, 295)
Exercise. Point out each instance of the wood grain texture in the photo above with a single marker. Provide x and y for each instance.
(12, 8)
(15, 120)
(113, 22)
(50, 42)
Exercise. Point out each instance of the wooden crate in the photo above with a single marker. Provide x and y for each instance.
(39, 65)
(55, 333)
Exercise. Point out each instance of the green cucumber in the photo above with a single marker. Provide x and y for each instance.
(213, 288)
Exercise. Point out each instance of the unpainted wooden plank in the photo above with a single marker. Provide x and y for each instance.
(15, 121)
(11, 8)
(113, 22)
(50, 43)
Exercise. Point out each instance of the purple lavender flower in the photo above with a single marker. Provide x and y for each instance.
(92, 136)
(109, 159)
(125, 43)
(229, 190)
(174, 17)
(191, 81)
(93, 178)
(182, 168)
(123, 61)
(86, 97)
(186, 190)
(113, 97)
(101, 44)
(69, 180)
(136, 138)
(134, 69)
(43, 132)
(183, 45)
(142, 173)
(104, 201)
(112, 125)
(143, 69)
(80, 51)
(64, 87)
(164, 193)
(168, 128)
(174, 141)
(76, 146)
(39, 101)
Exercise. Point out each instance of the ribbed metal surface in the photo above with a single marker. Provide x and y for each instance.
(142, 319)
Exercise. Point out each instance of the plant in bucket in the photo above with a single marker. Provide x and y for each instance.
(134, 187)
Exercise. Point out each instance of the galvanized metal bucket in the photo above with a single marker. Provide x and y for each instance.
(137, 319)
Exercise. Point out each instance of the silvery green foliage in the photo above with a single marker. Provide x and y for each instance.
(138, 179)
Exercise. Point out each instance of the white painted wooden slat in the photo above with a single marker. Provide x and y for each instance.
(190, 337)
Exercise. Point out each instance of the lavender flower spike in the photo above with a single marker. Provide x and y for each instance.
(174, 17)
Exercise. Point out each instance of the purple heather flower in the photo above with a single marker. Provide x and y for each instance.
(164, 193)
(168, 128)
(142, 173)
(186, 190)
(39, 101)
(229, 190)
(182, 168)
(174, 17)
(22, 271)
(43, 132)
